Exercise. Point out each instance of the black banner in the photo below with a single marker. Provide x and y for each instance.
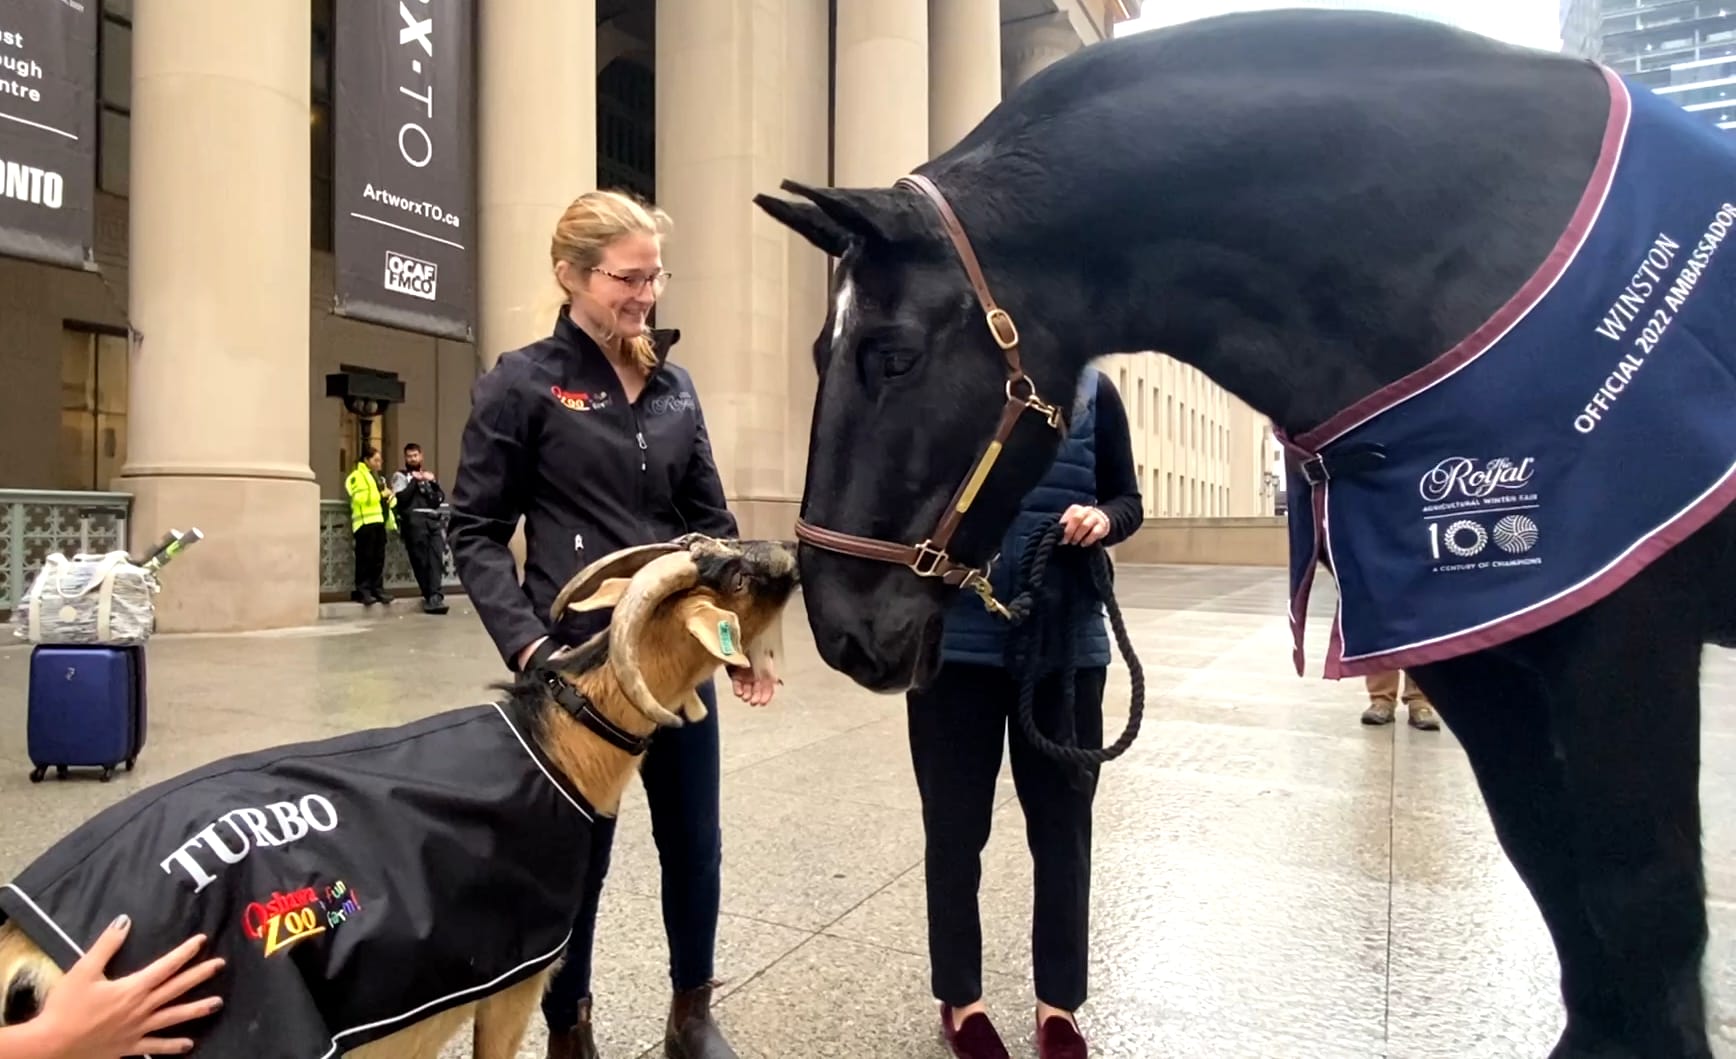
(404, 171)
(48, 130)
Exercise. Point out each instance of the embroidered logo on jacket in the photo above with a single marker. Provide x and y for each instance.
(580, 401)
(298, 916)
(246, 830)
(667, 403)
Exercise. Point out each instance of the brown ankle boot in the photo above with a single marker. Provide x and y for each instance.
(576, 1043)
(691, 1033)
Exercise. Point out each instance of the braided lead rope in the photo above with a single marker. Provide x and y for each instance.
(1024, 650)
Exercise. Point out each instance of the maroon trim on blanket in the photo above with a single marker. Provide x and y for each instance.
(1483, 338)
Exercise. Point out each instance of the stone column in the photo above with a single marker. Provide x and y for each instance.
(1033, 43)
(964, 67)
(736, 274)
(217, 412)
(881, 130)
(536, 152)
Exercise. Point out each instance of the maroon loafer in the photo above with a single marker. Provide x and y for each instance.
(976, 1039)
(1059, 1039)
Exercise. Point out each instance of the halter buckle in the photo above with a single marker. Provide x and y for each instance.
(1002, 327)
(928, 560)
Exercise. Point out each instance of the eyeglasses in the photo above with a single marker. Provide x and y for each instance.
(658, 280)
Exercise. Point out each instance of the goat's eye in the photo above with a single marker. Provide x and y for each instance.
(738, 583)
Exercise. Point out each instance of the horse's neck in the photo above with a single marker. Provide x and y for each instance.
(1301, 254)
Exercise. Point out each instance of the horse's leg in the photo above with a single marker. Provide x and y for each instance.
(1498, 712)
(1627, 711)
(1617, 821)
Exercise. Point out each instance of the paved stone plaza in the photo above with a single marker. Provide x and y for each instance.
(1272, 879)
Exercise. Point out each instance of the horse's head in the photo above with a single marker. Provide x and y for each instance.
(915, 375)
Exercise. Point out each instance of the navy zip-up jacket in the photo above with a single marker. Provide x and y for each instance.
(551, 437)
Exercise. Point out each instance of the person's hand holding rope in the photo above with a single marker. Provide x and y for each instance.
(1083, 526)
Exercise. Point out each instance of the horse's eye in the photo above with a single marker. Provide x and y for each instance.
(892, 365)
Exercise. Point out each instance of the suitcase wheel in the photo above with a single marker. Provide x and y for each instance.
(131, 762)
(60, 772)
(37, 773)
(108, 772)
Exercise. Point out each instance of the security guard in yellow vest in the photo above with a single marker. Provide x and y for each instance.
(370, 519)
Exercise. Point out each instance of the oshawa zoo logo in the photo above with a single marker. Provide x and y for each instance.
(411, 275)
(579, 400)
(1474, 480)
(289, 918)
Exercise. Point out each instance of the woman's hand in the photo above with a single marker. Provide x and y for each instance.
(87, 1016)
(755, 689)
(1084, 526)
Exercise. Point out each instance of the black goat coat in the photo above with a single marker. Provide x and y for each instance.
(355, 885)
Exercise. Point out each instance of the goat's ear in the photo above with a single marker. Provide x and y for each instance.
(719, 630)
(607, 595)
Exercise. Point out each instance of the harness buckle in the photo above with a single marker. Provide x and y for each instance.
(1314, 470)
(928, 560)
(1002, 327)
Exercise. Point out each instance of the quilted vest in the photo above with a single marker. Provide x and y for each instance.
(973, 635)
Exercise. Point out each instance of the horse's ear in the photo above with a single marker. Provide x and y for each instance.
(883, 214)
(808, 221)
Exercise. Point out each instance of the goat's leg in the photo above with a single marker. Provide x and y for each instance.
(502, 1018)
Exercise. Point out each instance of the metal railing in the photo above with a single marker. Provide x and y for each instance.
(36, 523)
(337, 556)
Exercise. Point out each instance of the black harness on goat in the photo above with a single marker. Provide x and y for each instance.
(582, 710)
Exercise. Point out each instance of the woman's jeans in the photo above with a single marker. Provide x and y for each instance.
(682, 776)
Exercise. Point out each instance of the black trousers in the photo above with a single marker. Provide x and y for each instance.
(956, 730)
(371, 559)
(425, 544)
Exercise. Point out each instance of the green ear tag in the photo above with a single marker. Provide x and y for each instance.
(726, 637)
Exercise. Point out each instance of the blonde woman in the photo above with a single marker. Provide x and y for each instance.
(599, 443)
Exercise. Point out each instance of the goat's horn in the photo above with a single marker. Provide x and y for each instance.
(663, 576)
(624, 563)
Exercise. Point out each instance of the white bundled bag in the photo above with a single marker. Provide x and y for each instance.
(88, 599)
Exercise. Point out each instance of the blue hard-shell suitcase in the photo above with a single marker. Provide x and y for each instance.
(86, 708)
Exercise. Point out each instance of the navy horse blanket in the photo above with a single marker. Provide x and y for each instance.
(354, 885)
(1587, 428)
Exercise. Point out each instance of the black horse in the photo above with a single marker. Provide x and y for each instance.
(1307, 206)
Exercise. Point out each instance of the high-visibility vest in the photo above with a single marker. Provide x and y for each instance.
(367, 504)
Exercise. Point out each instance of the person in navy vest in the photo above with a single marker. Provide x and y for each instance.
(957, 724)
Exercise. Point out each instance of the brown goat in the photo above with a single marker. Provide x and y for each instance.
(379, 969)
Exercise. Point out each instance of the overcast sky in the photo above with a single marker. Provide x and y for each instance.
(1536, 23)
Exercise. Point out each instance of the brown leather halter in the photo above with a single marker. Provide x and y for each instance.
(930, 558)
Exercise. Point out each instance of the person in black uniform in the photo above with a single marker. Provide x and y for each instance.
(599, 443)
